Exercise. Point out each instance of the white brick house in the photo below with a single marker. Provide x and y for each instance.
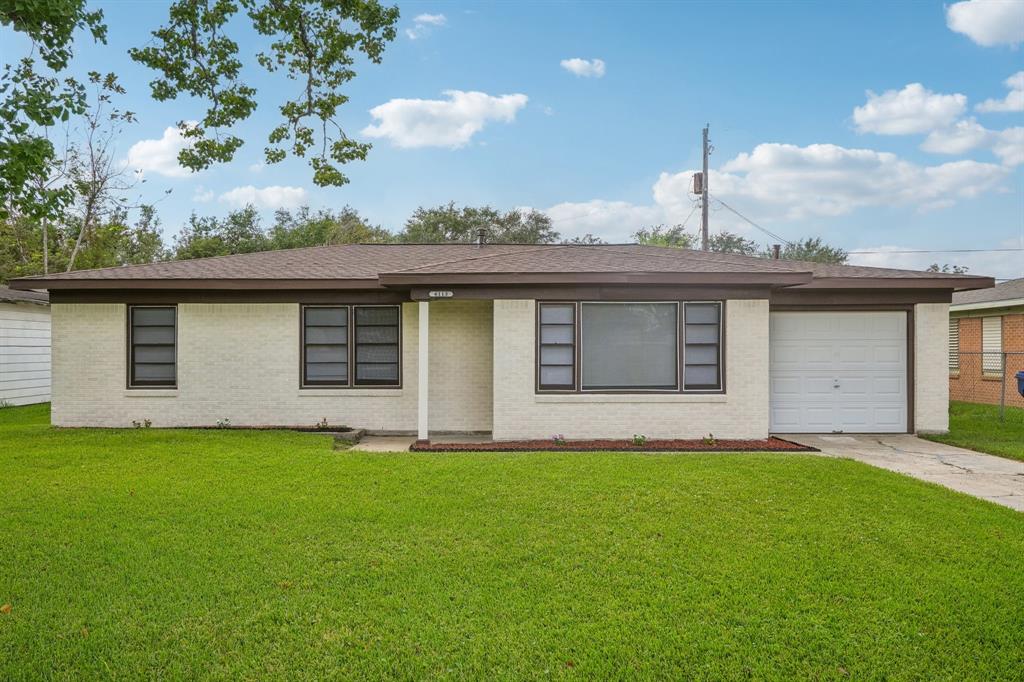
(518, 341)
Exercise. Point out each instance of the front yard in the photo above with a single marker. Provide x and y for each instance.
(977, 427)
(240, 554)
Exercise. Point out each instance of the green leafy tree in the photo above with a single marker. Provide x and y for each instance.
(730, 242)
(116, 241)
(322, 228)
(35, 96)
(313, 42)
(585, 240)
(239, 232)
(451, 224)
(665, 235)
(949, 269)
(814, 249)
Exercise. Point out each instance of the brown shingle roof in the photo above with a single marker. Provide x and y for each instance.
(1007, 291)
(369, 265)
(12, 296)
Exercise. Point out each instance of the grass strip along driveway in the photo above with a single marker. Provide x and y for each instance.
(977, 427)
(244, 554)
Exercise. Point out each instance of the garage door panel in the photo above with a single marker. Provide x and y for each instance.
(834, 371)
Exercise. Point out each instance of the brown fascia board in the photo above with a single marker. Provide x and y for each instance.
(575, 278)
(224, 284)
(952, 283)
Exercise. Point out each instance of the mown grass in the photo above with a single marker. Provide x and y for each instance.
(223, 554)
(978, 427)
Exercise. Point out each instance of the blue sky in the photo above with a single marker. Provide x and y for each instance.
(801, 147)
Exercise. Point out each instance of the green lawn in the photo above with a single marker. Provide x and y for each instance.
(978, 427)
(234, 554)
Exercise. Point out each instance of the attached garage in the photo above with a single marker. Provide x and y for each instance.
(839, 372)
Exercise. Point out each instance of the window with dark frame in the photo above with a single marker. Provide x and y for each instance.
(351, 345)
(152, 347)
(557, 346)
(325, 346)
(702, 346)
(629, 346)
(376, 345)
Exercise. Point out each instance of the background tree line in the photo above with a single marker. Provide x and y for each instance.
(114, 239)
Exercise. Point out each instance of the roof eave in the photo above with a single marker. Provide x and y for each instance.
(987, 305)
(954, 283)
(219, 284)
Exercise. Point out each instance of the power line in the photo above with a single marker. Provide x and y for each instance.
(765, 230)
(936, 251)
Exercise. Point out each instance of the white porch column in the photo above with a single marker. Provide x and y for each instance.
(423, 364)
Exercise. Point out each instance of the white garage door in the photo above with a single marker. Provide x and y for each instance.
(838, 372)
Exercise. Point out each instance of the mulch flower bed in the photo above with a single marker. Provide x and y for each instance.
(609, 445)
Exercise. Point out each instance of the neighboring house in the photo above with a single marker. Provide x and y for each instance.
(984, 327)
(24, 347)
(521, 341)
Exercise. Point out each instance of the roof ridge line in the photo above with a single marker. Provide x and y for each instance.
(539, 247)
(766, 261)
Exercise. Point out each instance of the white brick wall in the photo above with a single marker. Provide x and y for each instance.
(931, 367)
(241, 362)
(741, 413)
(460, 365)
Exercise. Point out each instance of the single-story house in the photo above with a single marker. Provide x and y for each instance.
(519, 341)
(986, 326)
(24, 347)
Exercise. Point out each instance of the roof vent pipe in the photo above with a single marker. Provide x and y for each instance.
(481, 236)
(776, 251)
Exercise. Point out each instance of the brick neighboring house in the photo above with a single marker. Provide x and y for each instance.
(982, 325)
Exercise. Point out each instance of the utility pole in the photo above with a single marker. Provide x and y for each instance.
(704, 195)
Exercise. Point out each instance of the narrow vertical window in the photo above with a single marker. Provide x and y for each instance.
(992, 345)
(702, 352)
(557, 347)
(954, 345)
(325, 346)
(151, 341)
(377, 346)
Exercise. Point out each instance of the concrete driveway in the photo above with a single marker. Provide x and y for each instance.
(996, 479)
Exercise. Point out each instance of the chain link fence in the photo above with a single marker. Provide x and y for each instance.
(987, 377)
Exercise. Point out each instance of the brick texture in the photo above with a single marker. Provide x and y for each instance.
(741, 413)
(931, 367)
(969, 384)
(241, 362)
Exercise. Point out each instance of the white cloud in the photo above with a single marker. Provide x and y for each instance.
(159, 156)
(274, 196)
(202, 195)
(257, 167)
(1009, 146)
(585, 68)
(787, 182)
(962, 137)
(914, 109)
(988, 22)
(423, 23)
(1014, 100)
(993, 264)
(411, 123)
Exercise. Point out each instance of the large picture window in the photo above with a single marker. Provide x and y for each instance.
(629, 346)
(152, 356)
(339, 339)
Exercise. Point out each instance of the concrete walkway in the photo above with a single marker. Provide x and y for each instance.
(383, 444)
(996, 479)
